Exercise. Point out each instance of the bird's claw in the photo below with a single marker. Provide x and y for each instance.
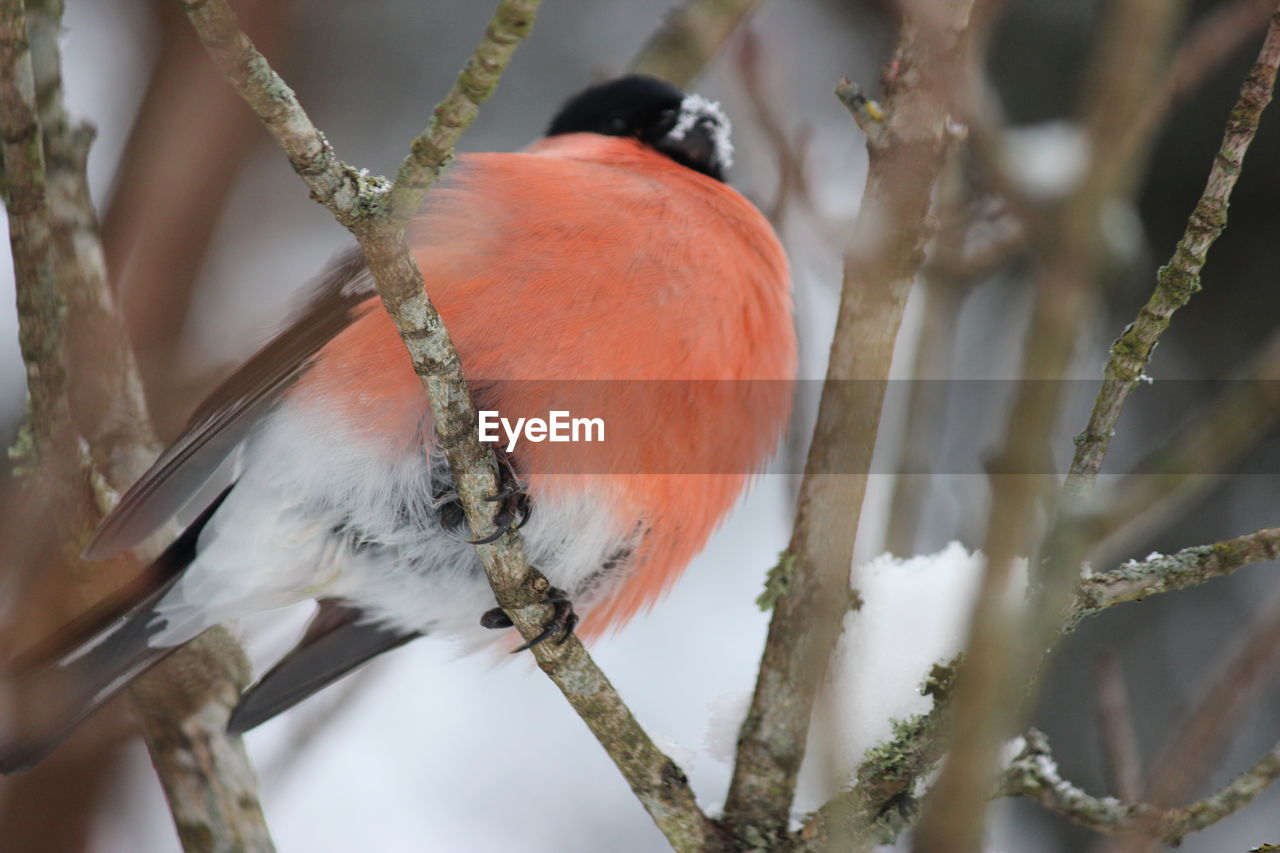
(515, 510)
(561, 624)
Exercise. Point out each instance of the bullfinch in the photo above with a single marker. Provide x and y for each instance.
(606, 270)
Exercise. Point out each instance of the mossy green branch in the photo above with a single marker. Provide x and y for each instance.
(432, 150)
(1178, 280)
(882, 801)
(41, 309)
(1034, 775)
(1136, 580)
(778, 582)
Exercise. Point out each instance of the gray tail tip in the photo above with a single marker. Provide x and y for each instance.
(18, 758)
(247, 715)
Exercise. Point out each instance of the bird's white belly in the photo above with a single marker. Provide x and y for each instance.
(323, 511)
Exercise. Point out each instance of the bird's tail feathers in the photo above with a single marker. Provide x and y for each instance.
(61, 682)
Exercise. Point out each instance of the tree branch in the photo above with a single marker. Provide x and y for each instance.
(206, 774)
(1034, 774)
(1006, 643)
(1119, 741)
(880, 804)
(1215, 37)
(884, 253)
(432, 151)
(343, 191)
(689, 37)
(357, 201)
(1134, 580)
(41, 311)
(1178, 280)
(1196, 455)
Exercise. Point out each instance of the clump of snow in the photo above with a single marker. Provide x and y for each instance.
(915, 613)
(1047, 159)
(728, 710)
(676, 751)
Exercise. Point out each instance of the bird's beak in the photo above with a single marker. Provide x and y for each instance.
(697, 144)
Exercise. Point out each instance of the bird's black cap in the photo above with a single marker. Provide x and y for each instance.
(687, 128)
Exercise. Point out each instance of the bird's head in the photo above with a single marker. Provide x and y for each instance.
(689, 129)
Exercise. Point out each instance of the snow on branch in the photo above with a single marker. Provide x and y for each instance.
(1034, 774)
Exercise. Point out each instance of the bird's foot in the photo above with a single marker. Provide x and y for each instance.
(560, 625)
(513, 497)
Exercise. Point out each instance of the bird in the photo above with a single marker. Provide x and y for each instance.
(607, 269)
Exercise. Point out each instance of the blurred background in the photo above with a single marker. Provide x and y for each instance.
(210, 236)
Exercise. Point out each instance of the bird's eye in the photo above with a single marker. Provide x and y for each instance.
(617, 126)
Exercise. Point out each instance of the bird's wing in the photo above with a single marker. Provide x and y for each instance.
(225, 418)
(336, 642)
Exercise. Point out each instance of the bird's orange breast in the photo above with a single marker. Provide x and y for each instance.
(594, 275)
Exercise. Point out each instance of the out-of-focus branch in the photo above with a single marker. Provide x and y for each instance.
(1196, 455)
(1034, 774)
(1189, 753)
(1006, 643)
(1115, 727)
(186, 147)
(691, 35)
(879, 805)
(1207, 46)
(793, 185)
(376, 214)
(109, 409)
(883, 255)
(1135, 581)
(944, 289)
(1179, 279)
(343, 191)
(206, 773)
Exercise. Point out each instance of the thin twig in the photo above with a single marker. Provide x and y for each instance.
(376, 215)
(1189, 753)
(879, 805)
(343, 191)
(690, 37)
(1115, 725)
(1208, 45)
(1034, 775)
(1178, 280)
(1196, 456)
(1135, 581)
(155, 240)
(881, 802)
(432, 150)
(884, 253)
